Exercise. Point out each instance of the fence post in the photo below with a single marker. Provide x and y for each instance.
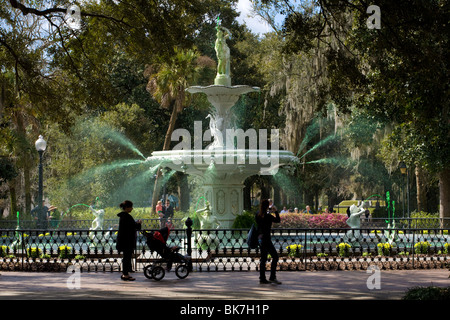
(188, 224)
(304, 249)
(413, 232)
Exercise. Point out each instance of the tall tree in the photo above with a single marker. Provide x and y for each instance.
(396, 73)
(167, 83)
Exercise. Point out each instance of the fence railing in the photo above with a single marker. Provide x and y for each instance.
(227, 250)
(81, 224)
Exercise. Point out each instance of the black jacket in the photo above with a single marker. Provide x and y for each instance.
(126, 237)
(265, 223)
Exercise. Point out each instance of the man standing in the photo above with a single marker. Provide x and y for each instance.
(40, 215)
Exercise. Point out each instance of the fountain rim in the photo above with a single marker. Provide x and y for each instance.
(224, 151)
(217, 89)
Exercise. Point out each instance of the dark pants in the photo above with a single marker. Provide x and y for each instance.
(268, 248)
(126, 262)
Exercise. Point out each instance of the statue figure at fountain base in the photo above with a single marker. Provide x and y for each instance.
(391, 233)
(354, 222)
(17, 244)
(96, 235)
(205, 239)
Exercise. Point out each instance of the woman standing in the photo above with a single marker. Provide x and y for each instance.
(264, 219)
(126, 237)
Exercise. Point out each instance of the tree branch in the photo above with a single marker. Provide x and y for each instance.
(26, 10)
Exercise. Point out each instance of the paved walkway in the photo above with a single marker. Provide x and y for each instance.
(331, 285)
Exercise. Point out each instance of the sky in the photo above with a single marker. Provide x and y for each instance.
(255, 24)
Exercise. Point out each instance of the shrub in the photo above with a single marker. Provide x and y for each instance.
(4, 251)
(344, 249)
(422, 247)
(427, 293)
(294, 250)
(313, 221)
(384, 249)
(244, 220)
(65, 252)
(34, 252)
(423, 220)
(446, 249)
(293, 220)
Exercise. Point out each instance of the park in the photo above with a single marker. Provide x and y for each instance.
(344, 127)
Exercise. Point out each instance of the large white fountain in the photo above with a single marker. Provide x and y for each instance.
(224, 165)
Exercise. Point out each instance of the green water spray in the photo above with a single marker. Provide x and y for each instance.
(319, 144)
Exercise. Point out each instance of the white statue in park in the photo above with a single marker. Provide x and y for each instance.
(96, 234)
(97, 224)
(223, 56)
(207, 222)
(354, 221)
(216, 127)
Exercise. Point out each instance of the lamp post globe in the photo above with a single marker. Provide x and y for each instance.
(40, 144)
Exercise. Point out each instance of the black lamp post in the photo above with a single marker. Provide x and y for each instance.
(402, 167)
(404, 170)
(40, 145)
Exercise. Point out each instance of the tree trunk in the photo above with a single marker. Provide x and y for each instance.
(444, 197)
(247, 195)
(276, 195)
(26, 159)
(13, 196)
(183, 191)
(421, 189)
(167, 140)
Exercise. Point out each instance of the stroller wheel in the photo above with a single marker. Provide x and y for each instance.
(158, 273)
(148, 272)
(182, 271)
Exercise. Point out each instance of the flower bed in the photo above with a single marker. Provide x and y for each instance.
(312, 221)
(361, 263)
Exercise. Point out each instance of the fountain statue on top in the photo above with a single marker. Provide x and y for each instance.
(223, 56)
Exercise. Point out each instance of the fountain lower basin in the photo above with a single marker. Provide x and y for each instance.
(223, 172)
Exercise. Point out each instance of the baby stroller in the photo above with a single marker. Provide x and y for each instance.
(156, 241)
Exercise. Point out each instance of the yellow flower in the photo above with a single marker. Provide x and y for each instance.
(293, 247)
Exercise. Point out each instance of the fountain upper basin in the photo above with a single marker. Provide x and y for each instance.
(234, 165)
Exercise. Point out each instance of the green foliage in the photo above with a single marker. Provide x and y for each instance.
(423, 220)
(34, 252)
(427, 293)
(244, 220)
(195, 220)
(384, 249)
(65, 251)
(4, 250)
(7, 169)
(343, 249)
(422, 247)
(295, 250)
